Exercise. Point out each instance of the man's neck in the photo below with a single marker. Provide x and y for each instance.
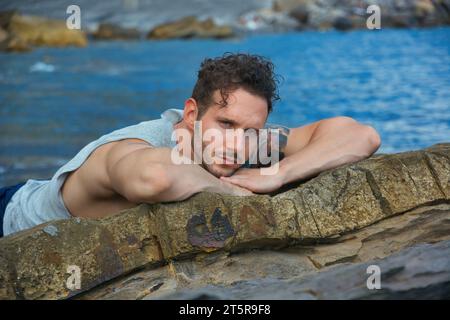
(181, 125)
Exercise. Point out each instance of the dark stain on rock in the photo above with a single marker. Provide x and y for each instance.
(52, 257)
(256, 219)
(200, 235)
(132, 240)
(265, 212)
(255, 226)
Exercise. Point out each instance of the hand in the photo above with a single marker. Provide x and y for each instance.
(234, 190)
(253, 180)
(220, 186)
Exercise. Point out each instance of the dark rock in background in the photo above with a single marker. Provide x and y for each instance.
(109, 31)
(343, 23)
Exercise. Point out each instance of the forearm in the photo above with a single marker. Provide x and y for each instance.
(176, 182)
(329, 148)
(183, 181)
(149, 176)
(311, 149)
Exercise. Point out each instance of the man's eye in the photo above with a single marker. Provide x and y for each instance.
(226, 124)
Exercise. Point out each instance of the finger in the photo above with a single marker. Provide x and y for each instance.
(245, 192)
(241, 183)
(237, 191)
(234, 181)
(233, 178)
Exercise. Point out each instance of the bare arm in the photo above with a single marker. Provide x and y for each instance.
(325, 145)
(142, 173)
(311, 149)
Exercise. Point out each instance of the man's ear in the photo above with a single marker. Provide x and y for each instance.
(190, 112)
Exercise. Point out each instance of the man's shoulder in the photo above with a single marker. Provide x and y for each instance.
(275, 126)
(270, 145)
(173, 115)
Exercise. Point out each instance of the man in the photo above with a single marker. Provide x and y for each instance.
(135, 164)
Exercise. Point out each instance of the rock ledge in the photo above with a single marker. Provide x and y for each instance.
(328, 207)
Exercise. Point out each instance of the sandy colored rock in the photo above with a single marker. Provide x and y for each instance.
(38, 31)
(289, 5)
(101, 249)
(190, 27)
(427, 224)
(108, 31)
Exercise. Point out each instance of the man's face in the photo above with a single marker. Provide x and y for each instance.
(244, 111)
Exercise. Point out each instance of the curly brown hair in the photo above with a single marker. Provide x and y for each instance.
(232, 71)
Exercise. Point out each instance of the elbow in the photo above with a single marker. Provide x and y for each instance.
(374, 139)
(371, 140)
(152, 181)
(367, 135)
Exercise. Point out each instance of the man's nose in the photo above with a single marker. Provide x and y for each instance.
(239, 143)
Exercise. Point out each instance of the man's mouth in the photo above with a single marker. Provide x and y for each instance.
(230, 166)
(226, 159)
(229, 162)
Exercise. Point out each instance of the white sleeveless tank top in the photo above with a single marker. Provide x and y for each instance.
(39, 201)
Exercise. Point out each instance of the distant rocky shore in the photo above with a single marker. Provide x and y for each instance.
(22, 32)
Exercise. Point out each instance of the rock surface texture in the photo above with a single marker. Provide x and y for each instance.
(312, 241)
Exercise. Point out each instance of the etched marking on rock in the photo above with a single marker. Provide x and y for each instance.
(384, 203)
(200, 235)
(307, 207)
(433, 173)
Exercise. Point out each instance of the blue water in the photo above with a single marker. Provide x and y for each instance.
(54, 101)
